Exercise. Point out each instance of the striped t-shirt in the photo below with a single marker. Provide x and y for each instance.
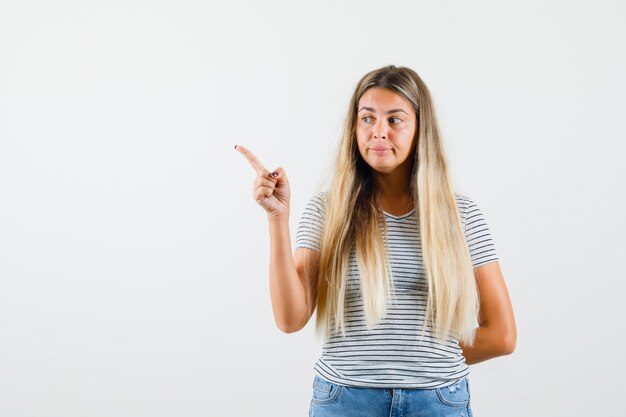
(395, 353)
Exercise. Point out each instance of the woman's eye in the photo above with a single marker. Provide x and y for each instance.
(395, 120)
(367, 119)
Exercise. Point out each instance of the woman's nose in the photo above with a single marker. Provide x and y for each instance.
(380, 130)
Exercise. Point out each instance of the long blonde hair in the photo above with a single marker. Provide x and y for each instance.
(353, 221)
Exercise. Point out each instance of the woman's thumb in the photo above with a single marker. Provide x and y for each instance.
(277, 173)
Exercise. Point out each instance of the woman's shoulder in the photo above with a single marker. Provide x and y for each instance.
(463, 199)
(464, 203)
(317, 202)
(319, 197)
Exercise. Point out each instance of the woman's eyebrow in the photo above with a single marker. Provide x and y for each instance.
(389, 112)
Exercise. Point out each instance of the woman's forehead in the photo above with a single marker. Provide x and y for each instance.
(383, 99)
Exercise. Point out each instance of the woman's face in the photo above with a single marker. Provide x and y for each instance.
(385, 130)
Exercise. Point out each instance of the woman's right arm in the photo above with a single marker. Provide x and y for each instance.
(291, 291)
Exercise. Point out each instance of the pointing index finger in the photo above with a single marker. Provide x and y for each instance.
(256, 164)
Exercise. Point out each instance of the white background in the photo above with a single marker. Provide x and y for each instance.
(134, 261)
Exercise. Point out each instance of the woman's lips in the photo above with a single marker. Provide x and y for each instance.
(380, 151)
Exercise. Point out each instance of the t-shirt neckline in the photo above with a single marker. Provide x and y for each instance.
(402, 216)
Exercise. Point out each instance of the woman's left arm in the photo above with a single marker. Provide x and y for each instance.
(497, 333)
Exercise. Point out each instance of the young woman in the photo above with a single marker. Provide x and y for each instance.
(400, 269)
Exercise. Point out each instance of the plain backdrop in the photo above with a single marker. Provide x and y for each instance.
(134, 261)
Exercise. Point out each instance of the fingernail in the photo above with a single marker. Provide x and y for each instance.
(274, 174)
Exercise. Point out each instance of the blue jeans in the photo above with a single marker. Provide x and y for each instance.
(332, 400)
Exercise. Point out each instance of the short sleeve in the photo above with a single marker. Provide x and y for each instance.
(481, 246)
(310, 226)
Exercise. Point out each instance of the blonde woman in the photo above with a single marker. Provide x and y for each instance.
(400, 269)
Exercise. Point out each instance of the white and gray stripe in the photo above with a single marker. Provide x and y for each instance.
(395, 353)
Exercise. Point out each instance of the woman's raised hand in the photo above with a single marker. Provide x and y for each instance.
(270, 189)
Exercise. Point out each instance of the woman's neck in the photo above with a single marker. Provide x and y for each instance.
(394, 189)
(395, 194)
